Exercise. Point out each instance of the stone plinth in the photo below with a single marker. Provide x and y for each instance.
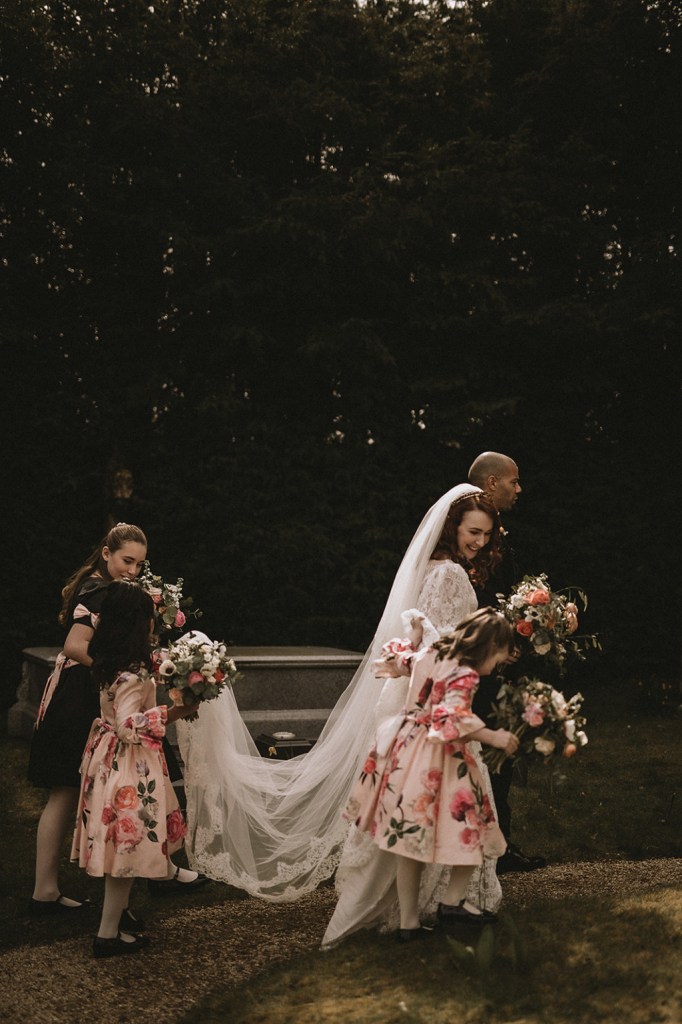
(36, 667)
(283, 689)
(291, 689)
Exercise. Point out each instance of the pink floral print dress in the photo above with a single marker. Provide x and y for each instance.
(129, 820)
(426, 798)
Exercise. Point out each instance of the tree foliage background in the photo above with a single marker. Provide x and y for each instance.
(294, 263)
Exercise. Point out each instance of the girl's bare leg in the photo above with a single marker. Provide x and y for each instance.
(56, 821)
(408, 878)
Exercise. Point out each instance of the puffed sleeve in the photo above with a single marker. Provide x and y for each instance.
(134, 722)
(446, 595)
(451, 714)
(90, 596)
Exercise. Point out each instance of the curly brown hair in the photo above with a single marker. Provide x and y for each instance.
(490, 556)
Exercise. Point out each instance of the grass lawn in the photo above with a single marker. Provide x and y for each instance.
(613, 957)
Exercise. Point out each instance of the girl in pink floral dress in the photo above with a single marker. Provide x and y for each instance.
(425, 800)
(129, 820)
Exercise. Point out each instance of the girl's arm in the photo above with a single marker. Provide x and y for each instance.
(134, 722)
(77, 643)
(499, 738)
(175, 713)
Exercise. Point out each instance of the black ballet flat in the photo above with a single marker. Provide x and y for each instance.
(130, 923)
(458, 914)
(47, 908)
(174, 886)
(117, 946)
(413, 934)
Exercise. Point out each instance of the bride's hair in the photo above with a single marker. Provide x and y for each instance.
(476, 638)
(490, 556)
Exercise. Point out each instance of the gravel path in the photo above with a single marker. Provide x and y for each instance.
(195, 950)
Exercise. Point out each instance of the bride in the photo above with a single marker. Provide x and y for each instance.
(274, 828)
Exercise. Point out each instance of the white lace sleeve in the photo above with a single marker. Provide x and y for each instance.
(446, 596)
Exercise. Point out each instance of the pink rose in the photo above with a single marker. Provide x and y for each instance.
(539, 597)
(175, 826)
(108, 815)
(195, 677)
(422, 807)
(534, 715)
(524, 628)
(431, 779)
(126, 833)
(180, 619)
(450, 731)
(126, 798)
(437, 692)
(470, 838)
(462, 801)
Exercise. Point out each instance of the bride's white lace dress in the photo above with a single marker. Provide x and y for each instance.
(274, 828)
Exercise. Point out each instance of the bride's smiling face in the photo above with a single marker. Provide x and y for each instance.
(473, 533)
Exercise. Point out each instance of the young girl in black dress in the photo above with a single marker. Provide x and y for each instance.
(69, 705)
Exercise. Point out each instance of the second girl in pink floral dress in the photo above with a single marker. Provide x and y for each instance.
(129, 821)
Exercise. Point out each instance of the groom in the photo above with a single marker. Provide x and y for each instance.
(498, 475)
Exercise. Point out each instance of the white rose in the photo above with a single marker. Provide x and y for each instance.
(543, 746)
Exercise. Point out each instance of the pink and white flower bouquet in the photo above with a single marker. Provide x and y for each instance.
(193, 669)
(172, 609)
(548, 726)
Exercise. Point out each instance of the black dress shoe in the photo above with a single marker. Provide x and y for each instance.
(45, 908)
(117, 946)
(130, 923)
(458, 914)
(516, 860)
(170, 886)
(412, 934)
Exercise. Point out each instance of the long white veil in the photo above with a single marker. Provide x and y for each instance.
(274, 828)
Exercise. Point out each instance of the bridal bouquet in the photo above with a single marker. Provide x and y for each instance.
(172, 609)
(541, 618)
(547, 725)
(194, 668)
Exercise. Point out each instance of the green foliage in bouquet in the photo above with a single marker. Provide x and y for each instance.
(172, 608)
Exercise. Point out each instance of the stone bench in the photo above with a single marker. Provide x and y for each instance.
(283, 689)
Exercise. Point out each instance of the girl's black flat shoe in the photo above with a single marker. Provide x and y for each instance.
(45, 908)
(117, 946)
(412, 934)
(130, 923)
(458, 914)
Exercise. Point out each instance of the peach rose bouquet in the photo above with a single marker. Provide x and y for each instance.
(544, 620)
